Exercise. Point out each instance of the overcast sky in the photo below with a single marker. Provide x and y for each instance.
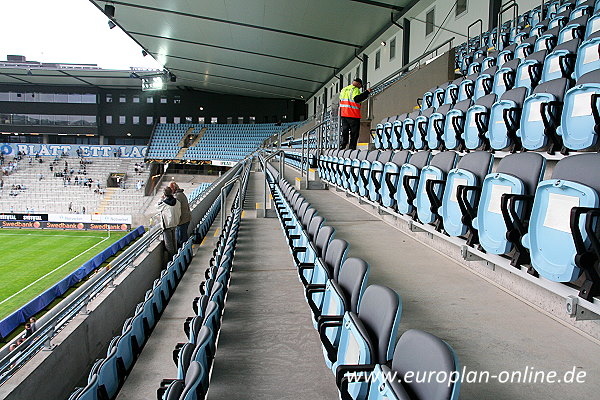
(67, 31)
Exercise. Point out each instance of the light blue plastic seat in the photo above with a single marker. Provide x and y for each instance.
(375, 174)
(516, 176)
(408, 358)
(561, 62)
(454, 125)
(408, 180)
(588, 56)
(540, 117)
(408, 129)
(469, 173)
(557, 238)
(505, 120)
(435, 127)
(366, 337)
(391, 172)
(339, 296)
(431, 177)
(580, 118)
(396, 133)
(476, 123)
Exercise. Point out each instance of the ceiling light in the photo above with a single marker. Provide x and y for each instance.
(201, 108)
(111, 24)
(128, 134)
(383, 43)
(109, 10)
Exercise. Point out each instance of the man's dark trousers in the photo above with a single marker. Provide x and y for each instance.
(350, 130)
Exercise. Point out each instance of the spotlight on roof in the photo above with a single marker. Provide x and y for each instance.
(109, 10)
(172, 77)
(29, 72)
(111, 24)
(383, 43)
(144, 53)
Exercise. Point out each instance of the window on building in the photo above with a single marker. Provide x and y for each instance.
(213, 120)
(136, 99)
(461, 7)
(240, 120)
(378, 59)
(188, 120)
(89, 98)
(150, 120)
(200, 120)
(429, 21)
(163, 100)
(176, 120)
(163, 120)
(109, 98)
(122, 119)
(122, 99)
(109, 119)
(357, 75)
(149, 99)
(230, 120)
(252, 120)
(177, 100)
(392, 49)
(136, 120)
(349, 78)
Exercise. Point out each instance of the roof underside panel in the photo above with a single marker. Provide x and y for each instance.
(280, 48)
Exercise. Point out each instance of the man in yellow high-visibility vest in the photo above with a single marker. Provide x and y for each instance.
(350, 98)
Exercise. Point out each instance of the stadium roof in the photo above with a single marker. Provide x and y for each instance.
(265, 48)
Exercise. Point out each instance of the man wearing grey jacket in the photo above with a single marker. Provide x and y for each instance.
(170, 214)
(186, 215)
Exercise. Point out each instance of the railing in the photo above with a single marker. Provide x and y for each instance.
(56, 320)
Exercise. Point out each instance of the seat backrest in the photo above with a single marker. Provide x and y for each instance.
(323, 238)
(334, 257)
(421, 353)
(444, 160)
(477, 162)
(400, 157)
(528, 167)
(555, 87)
(373, 155)
(580, 168)
(385, 156)
(379, 312)
(352, 279)
(362, 155)
(307, 217)
(353, 154)
(192, 378)
(314, 226)
(420, 159)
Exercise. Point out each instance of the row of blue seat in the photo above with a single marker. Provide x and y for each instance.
(194, 358)
(108, 374)
(549, 224)
(357, 324)
(529, 24)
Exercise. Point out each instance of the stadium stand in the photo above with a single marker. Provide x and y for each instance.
(478, 211)
(205, 142)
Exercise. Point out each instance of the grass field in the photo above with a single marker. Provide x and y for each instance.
(31, 261)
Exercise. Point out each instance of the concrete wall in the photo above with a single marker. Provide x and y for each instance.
(401, 96)
(55, 374)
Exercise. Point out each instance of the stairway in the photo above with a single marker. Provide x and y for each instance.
(106, 200)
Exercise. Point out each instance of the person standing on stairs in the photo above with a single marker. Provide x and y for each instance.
(170, 213)
(186, 215)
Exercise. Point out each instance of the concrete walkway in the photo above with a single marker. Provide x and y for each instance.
(268, 348)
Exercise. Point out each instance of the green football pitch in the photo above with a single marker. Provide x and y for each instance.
(32, 261)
